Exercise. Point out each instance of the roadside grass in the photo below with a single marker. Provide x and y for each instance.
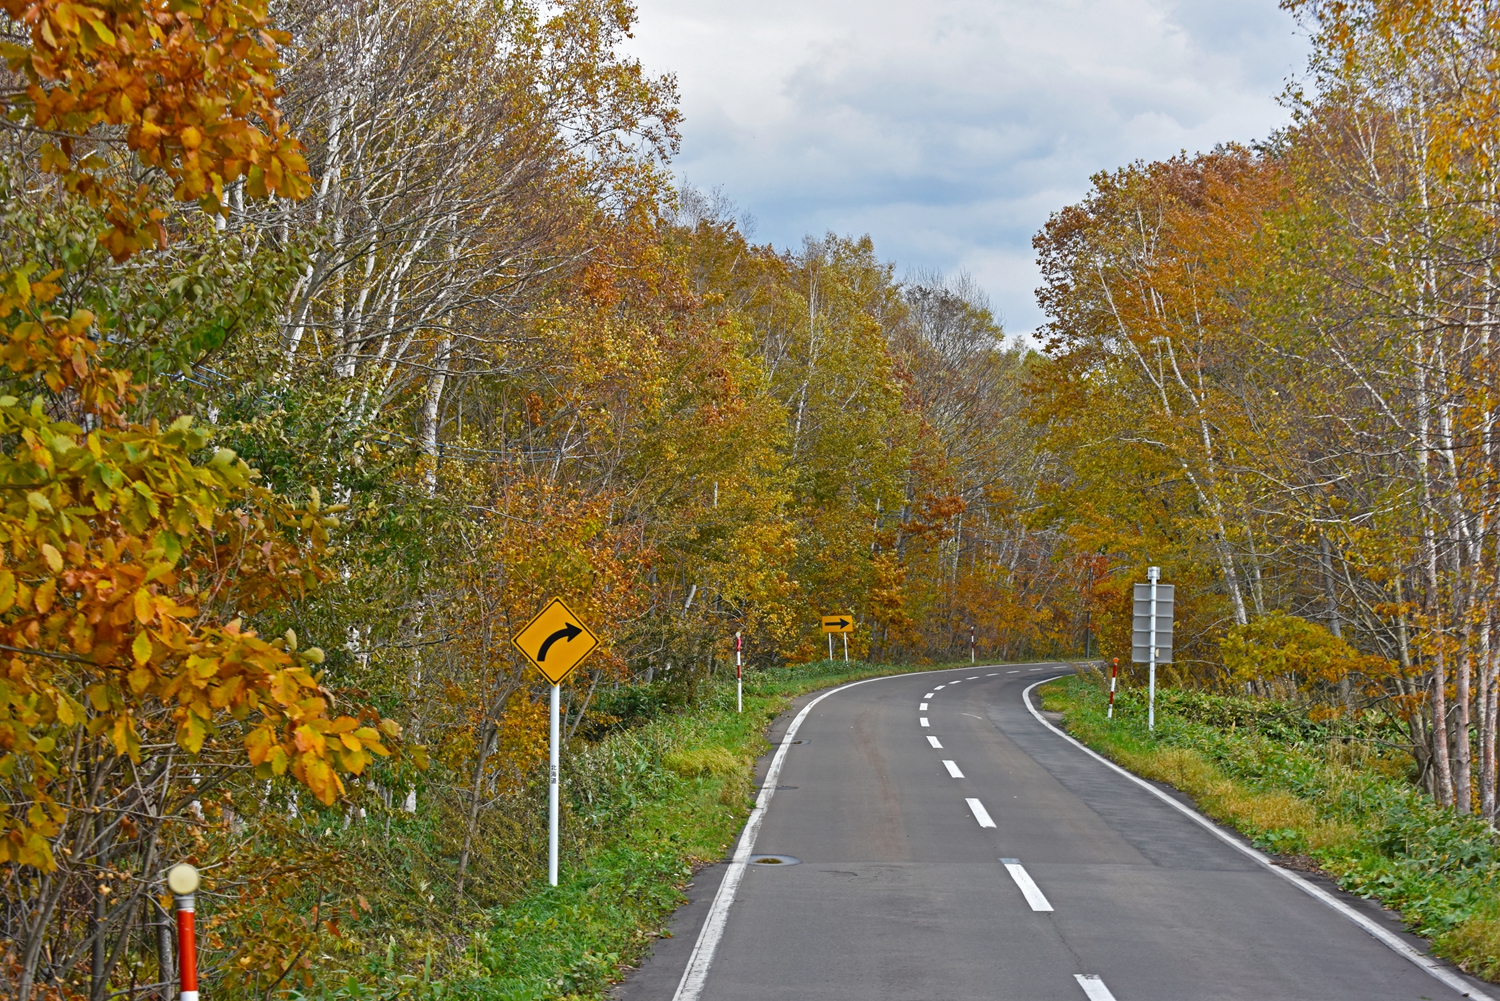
(1331, 791)
(661, 799)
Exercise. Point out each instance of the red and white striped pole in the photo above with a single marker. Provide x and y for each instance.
(1113, 672)
(971, 644)
(182, 880)
(739, 678)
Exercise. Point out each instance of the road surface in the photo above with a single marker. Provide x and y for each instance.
(950, 847)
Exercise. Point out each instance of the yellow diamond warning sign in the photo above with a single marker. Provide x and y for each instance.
(555, 641)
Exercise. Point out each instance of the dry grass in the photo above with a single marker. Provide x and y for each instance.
(1478, 941)
(1238, 805)
(697, 762)
(720, 763)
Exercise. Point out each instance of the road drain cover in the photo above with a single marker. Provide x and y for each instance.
(774, 860)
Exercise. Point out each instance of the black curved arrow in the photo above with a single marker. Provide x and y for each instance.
(567, 632)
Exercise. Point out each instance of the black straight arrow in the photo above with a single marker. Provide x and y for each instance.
(567, 632)
(842, 623)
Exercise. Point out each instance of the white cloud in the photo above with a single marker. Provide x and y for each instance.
(949, 129)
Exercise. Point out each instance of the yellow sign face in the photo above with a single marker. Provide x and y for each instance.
(555, 641)
(838, 623)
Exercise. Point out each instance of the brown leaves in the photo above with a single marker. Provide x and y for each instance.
(192, 86)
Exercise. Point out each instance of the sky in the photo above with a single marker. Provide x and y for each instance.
(949, 130)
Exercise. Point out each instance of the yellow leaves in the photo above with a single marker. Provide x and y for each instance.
(141, 649)
(45, 594)
(144, 612)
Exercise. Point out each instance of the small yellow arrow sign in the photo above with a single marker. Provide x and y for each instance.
(555, 641)
(838, 623)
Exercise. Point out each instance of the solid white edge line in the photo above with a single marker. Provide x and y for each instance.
(952, 767)
(696, 974)
(980, 813)
(934, 742)
(1093, 986)
(1432, 967)
(1033, 893)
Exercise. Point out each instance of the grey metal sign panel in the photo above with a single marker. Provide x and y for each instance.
(1140, 640)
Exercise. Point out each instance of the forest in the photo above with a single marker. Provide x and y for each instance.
(340, 337)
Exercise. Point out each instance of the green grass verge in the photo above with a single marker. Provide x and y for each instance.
(1329, 791)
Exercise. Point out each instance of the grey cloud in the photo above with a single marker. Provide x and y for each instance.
(950, 130)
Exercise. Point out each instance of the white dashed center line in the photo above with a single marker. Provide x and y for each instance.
(1093, 987)
(934, 742)
(1012, 672)
(939, 688)
(980, 813)
(974, 678)
(953, 769)
(922, 705)
(923, 720)
(1029, 889)
(990, 675)
(927, 696)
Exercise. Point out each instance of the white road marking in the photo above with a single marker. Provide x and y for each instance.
(1389, 939)
(1012, 672)
(923, 706)
(939, 688)
(1029, 889)
(973, 677)
(923, 720)
(696, 974)
(1093, 986)
(960, 681)
(980, 813)
(990, 675)
(953, 769)
(1036, 669)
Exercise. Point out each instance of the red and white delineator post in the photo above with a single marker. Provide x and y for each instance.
(739, 680)
(182, 880)
(971, 644)
(1114, 672)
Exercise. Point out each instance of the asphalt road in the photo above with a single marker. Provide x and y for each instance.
(1004, 864)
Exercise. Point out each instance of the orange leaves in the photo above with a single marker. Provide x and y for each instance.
(192, 85)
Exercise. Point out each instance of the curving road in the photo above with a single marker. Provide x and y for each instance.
(953, 846)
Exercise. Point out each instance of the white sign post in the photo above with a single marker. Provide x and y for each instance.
(1151, 637)
(552, 796)
(555, 641)
(739, 674)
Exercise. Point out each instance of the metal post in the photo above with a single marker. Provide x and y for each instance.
(830, 646)
(552, 797)
(971, 644)
(182, 880)
(846, 646)
(739, 674)
(1153, 574)
(1113, 673)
